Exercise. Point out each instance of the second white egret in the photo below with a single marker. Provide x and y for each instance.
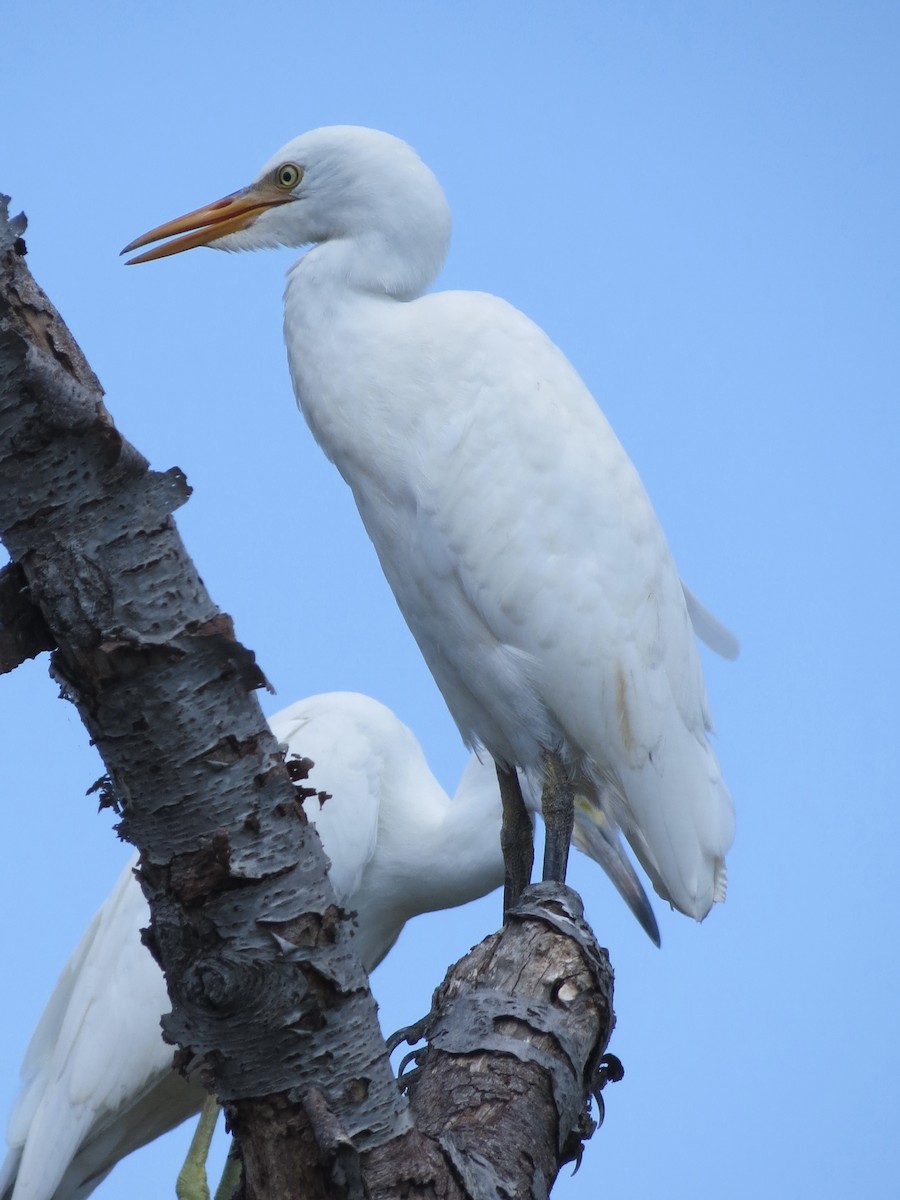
(98, 1080)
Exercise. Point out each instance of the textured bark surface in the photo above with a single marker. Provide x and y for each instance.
(270, 1004)
(500, 1092)
(268, 995)
(515, 1037)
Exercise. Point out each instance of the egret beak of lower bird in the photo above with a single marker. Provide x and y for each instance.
(212, 221)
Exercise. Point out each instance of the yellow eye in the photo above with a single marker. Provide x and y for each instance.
(288, 175)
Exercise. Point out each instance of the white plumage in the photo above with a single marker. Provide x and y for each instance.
(513, 529)
(97, 1080)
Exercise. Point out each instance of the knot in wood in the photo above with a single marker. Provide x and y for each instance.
(220, 984)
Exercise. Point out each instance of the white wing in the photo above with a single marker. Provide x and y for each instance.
(97, 1048)
(529, 564)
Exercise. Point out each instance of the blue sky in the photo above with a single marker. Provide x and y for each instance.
(699, 202)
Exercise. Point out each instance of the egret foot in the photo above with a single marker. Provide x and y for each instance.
(191, 1183)
(609, 1070)
(516, 838)
(558, 808)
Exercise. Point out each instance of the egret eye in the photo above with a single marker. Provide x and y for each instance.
(288, 175)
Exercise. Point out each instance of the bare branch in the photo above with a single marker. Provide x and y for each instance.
(268, 996)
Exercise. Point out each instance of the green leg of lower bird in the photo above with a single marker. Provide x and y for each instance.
(231, 1176)
(558, 808)
(516, 838)
(191, 1183)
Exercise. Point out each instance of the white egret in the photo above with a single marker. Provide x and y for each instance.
(97, 1080)
(516, 535)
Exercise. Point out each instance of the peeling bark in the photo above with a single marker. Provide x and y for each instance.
(515, 1037)
(270, 1005)
(268, 995)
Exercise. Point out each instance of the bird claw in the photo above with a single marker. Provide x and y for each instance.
(409, 1033)
(609, 1070)
(405, 1078)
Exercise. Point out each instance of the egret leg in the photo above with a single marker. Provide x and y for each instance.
(516, 838)
(231, 1176)
(558, 808)
(191, 1183)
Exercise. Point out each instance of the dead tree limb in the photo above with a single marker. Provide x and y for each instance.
(270, 1004)
(514, 1043)
(264, 983)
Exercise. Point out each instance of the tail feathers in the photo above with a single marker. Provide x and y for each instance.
(709, 629)
(597, 835)
(78, 1163)
(679, 820)
(39, 1172)
(720, 886)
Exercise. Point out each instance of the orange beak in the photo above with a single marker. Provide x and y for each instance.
(212, 221)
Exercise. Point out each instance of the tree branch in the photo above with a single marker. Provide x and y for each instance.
(268, 995)
(515, 1037)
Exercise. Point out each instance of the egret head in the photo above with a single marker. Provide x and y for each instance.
(340, 183)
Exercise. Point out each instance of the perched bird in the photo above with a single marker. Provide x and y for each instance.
(516, 535)
(97, 1080)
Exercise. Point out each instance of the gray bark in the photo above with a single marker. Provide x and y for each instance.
(270, 1004)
